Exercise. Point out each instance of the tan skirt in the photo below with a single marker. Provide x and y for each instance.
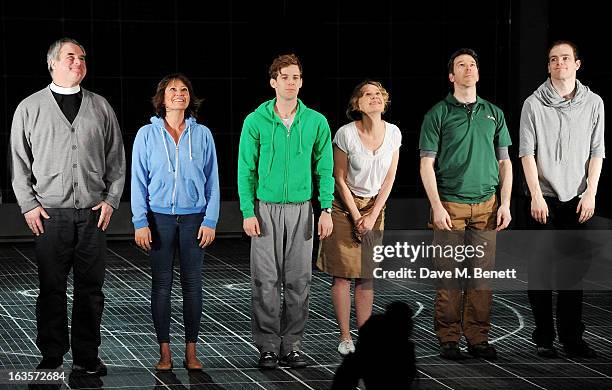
(343, 254)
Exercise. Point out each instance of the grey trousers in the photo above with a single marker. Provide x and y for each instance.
(281, 267)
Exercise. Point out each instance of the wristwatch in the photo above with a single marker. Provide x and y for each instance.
(327, 210)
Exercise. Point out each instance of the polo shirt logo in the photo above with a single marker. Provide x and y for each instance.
(491, 117)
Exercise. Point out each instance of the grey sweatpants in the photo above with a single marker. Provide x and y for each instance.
(281, 267)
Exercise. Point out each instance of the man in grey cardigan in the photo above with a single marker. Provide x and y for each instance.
(561, 150)
(68, 171)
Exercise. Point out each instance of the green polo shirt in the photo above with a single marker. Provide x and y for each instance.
(464, 143)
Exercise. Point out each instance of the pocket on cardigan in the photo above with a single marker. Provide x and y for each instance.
(50, 185)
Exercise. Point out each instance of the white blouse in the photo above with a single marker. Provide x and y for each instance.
(367, 169)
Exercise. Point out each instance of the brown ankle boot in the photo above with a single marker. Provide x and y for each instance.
(164, 352)
(191, 361)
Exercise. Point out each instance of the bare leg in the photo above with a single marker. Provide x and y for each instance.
(341, 298)
(364, 298)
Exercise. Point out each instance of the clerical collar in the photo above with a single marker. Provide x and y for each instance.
(65, 91)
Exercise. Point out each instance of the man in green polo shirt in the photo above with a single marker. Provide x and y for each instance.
(464, 159)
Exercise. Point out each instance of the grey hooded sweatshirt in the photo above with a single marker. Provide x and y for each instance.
(562, 135)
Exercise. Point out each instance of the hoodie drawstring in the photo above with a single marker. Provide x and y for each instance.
(162, 131)
(188, 130)
(271, 148)
(561, 146)
(549, 97)
(300, 139)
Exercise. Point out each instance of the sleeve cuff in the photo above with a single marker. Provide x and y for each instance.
(140, 224)
(326, 204)
(209, 223)
(29, 206)
(428, 153)
(248, 214)
(502, 153)
(113, 201)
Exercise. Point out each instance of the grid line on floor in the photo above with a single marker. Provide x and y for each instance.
(129, 344)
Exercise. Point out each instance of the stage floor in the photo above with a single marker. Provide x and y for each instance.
(130, 350)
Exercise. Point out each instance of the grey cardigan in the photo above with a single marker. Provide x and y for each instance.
(56, 164)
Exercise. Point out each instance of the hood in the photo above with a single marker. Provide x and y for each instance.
(159, 125)
(549, 96)
(159, 122)
(266, 112)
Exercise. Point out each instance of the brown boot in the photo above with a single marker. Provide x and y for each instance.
(191, 361)
(165, 360)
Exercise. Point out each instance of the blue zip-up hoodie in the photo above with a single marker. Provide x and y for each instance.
(174, 179)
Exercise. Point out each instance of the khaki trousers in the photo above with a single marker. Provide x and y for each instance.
(465, 305)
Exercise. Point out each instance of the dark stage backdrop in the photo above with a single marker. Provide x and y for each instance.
(225, 48)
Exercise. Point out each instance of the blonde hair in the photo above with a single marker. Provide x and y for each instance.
(352, 112)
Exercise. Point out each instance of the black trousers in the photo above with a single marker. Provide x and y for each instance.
(562, 217)
(71, 240)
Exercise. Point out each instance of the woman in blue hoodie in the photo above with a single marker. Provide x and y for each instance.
(175, 203)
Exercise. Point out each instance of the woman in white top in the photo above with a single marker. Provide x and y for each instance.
(366, 152)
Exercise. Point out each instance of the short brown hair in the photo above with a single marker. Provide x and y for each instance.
(281, 62)
(563, 42)
(352, 111)
(465, 50)
(158, 98)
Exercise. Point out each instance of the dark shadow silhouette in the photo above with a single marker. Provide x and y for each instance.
(80, 381)
(201, 380)
(165, 380)
(384, 355)
(197, 380)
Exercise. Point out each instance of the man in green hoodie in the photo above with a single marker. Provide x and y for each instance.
(561, 150)
(282, 144)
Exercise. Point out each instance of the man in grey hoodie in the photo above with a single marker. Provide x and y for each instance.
(561, 150)
(68, 171)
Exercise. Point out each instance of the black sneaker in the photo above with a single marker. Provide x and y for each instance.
(92, 367)
(450, 350)
(580, 349)
(50, 363)
(294, 359)
(483, 350)
(549, 351)
(268, 360)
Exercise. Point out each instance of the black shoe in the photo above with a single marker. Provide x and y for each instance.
(91, 367)
(294, 359)
(450, 350)
(50, 363)
(549, 352)
(268, 361)
(580, 349)
(483, 350)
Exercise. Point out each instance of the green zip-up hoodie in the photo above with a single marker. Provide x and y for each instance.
(276, 165)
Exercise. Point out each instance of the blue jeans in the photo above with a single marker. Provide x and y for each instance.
(167, 233)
